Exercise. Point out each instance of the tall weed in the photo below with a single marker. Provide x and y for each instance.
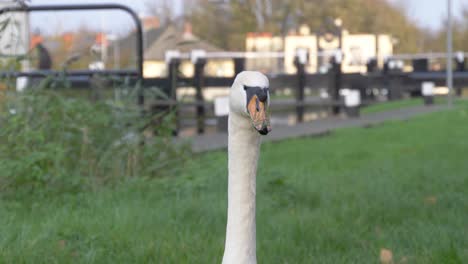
(51, 143)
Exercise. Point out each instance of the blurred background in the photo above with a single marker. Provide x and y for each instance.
(113, 129)
(381, 45)
(409, 26)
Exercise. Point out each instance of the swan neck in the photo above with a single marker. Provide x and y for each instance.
(243, 149)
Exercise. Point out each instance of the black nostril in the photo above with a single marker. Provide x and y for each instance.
(264, 131)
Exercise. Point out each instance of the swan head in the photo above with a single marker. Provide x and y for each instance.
(250, 97)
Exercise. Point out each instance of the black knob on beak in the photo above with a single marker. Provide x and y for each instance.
(263, 95)
(264, 131)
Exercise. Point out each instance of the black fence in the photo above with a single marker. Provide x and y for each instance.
(394, 83)
(390, 80)
(83, 74)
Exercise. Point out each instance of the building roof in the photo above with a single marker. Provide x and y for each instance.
(129, 43)
(173, 39)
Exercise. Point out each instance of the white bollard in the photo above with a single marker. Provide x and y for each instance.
(427, 90)
(352, 101)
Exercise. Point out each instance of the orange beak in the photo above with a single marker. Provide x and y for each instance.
(259, 114)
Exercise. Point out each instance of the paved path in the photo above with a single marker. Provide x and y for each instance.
(319, 127)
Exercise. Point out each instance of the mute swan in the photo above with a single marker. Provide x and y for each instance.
(248, 119)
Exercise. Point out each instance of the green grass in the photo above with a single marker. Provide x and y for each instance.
(381, 107)
(410, 102)
(402, 186)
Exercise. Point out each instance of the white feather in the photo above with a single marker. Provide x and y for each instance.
(243, 151)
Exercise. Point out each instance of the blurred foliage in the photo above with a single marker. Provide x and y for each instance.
(54, 140)
(436, 41)
(50, 143)
(227, 23)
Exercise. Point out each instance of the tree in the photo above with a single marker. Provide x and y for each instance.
(435, 41)
(163, 9)
(226, 23)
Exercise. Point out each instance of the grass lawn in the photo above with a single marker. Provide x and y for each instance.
(391, 105)
(402, 186)
(409, 102)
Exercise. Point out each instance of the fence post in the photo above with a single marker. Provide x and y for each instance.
(393, 69)
(239, 65)
(460, 61)
(300, 62)
(199, 60)
(372, 65)
(335, 80)
(372, 68)
(419, 65)
(173, 63)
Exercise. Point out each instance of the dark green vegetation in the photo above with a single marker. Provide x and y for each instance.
(52, 144)
(227, 25)
(337, 199)
(379, 107)
(405, 103)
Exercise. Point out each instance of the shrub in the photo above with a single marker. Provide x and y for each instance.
(50, 143)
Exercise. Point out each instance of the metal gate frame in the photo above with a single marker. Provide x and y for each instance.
(77, 7)
(42, 8)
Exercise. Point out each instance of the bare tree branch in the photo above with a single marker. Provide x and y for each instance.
(163, 9)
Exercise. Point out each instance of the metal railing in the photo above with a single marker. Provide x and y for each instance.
(83, 7)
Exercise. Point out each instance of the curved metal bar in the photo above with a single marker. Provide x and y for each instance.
(136, 19)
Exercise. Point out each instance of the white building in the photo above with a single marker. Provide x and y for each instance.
(357, 50)
(264, 42)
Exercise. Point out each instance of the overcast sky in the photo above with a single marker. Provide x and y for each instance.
(111, 21)
(428, 13)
